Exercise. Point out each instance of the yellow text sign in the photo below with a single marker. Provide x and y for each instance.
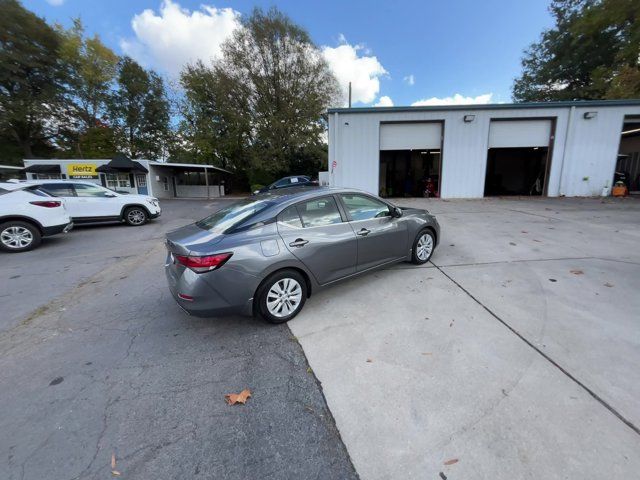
(82, 170)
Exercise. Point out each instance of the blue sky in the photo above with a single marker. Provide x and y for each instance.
(405, 51)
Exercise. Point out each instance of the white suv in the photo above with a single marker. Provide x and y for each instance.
(27, 215)
(88, 202)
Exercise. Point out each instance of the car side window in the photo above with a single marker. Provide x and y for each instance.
(290, 217)
(83, 190)
(281, 183)
(362, 207)
(58, 189)
(319, 212)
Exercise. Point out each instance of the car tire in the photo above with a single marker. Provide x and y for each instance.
(281, 296)
(18, 236)
(136, 216)
(423, 247)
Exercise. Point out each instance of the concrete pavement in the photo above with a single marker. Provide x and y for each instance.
(515, 356)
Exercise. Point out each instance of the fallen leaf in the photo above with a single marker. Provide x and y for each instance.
(523, 231)
(552, 280)
(369, 360)
(233, 398)
(539, 241)
(451, 462)
(513, 244)
(427, 353)
(113, 461)
(608, 285)
(115, 473)
(577, 272)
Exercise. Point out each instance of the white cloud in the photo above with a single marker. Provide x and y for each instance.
(457, 99)
(55, 3)
(176, 36)
(410, 80)
(353, 63)
(384, 102)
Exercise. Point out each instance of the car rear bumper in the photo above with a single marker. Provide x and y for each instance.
(56, 229)
(219, 293)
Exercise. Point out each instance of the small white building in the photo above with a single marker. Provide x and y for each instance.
(471, 151)
(147, 177)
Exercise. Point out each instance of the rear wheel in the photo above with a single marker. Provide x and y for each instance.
(281, 296)
(423, 247)
(17, 236)
(136, 216)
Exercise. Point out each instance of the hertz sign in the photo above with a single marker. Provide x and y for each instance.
(82, 170)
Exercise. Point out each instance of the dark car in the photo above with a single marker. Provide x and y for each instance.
(266, 254)
(286, 182)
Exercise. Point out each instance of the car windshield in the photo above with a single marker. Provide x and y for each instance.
(233, 215)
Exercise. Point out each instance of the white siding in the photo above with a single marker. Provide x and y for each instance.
(354, 140)
(519, 133)
(410, 136)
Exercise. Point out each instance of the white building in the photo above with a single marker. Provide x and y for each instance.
(470, 151)
(147, 177)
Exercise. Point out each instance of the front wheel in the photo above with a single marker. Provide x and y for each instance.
(17, 236)
(136, 216)
(281, 296)
(423, 247)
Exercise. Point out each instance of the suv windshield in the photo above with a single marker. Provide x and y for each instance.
(233, 215)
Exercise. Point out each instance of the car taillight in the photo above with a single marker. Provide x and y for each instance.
(203, 264)
(47, 203)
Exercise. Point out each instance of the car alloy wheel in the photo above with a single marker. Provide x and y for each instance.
(284, 297)
(135, 216)
(16, 237)
(424, 247)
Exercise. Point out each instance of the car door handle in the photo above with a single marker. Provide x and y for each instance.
(299, 242)
(364, 232)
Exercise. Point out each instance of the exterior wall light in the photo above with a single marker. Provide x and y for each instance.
(590, 115)
(469, 118)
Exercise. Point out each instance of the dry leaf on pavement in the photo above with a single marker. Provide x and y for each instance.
(451, 462)
(577, 272)
(233, 398)
(113, 461)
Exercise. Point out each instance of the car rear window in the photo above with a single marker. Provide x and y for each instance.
(233, 215)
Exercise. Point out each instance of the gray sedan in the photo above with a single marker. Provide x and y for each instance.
(265, 255)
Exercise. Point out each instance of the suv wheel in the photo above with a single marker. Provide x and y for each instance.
(136, 216)
(17, 236)
(281, 296)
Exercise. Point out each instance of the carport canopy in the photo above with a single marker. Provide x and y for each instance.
(410, 136)
(48, 169)
(519, 133)
(122, 163)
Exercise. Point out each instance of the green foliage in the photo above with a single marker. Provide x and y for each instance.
(92, 69)
(279, 85)
(592, 52)
(256, 186)
(32, 78)
(140, 111)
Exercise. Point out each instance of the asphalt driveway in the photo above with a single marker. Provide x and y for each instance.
(513, 355)
(97, 360)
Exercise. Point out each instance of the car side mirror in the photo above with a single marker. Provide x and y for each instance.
(396, 212)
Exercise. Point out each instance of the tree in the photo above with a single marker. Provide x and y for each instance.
(32, 78)
(212, 126)
(140, 111)
(92, 70)
(591, 53)
(278, 84)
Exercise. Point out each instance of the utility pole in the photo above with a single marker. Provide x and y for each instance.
(349, 94)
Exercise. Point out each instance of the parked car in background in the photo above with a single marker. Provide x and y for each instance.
(286, 182)
(27, 215)
(88, 202)
(265, 255)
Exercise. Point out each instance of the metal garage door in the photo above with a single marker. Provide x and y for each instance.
(410, 136)
(519, 133)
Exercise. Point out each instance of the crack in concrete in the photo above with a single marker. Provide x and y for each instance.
(593, 394)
